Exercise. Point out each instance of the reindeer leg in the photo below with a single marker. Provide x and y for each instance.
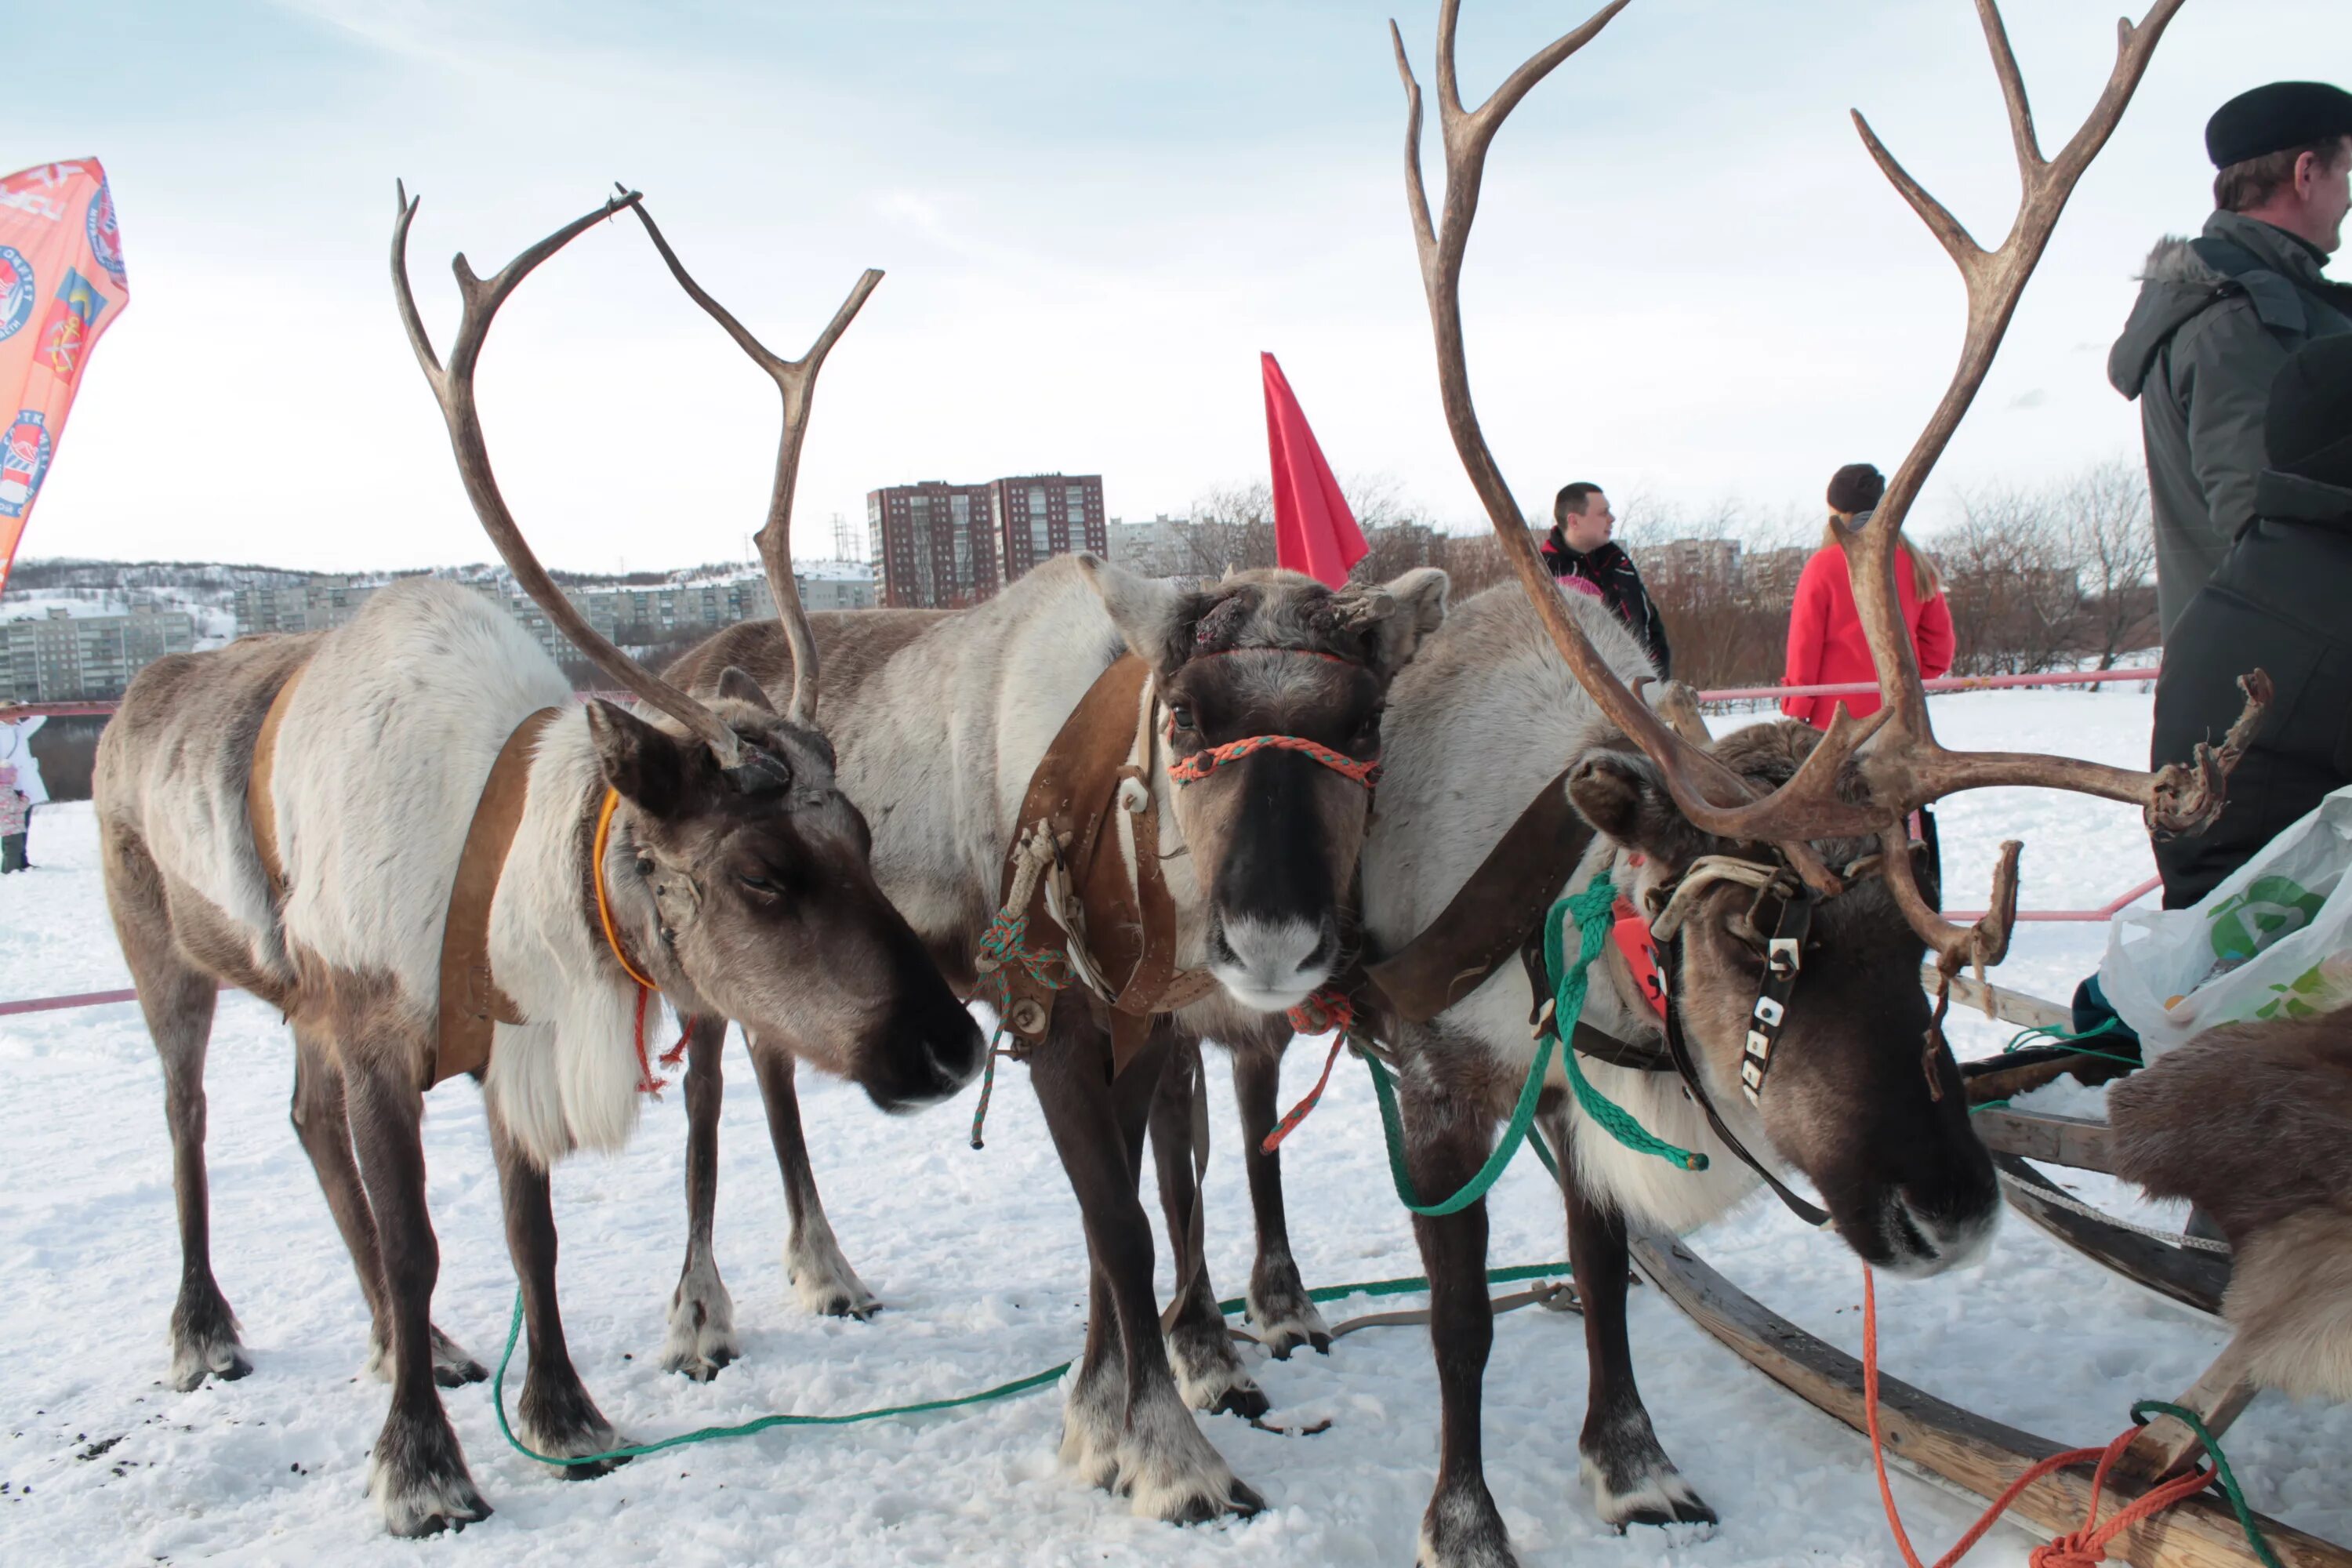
(1632, 1480)
(325, 1132)
(1446, 1139)
(1208, 1371)
(1161, 1458)
(821, 1279)
(417, 1472)
(1278, 1302)
(701, 1337)
(178, 999)
(555, 1414)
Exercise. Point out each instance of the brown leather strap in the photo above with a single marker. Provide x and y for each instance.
(1488, 921)
(471, 1002)
(1129, 925)
(260, 804)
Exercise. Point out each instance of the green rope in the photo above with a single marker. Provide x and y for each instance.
(2221, 1473)
(1591, 910)
(1002, 944)
(2057, 1036)
(1001, 1391)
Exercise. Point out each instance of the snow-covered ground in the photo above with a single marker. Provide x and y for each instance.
(979, 1260)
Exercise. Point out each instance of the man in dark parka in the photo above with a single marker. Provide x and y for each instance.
(2282, 601)
(2217, 315)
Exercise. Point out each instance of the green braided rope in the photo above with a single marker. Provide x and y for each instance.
(1590, 910)
(986, 1395)
(2221, 1473)
(2056, 1036)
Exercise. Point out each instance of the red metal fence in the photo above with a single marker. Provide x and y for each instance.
(1727, 694)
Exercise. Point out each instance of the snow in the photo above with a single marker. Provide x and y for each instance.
(980, 1261)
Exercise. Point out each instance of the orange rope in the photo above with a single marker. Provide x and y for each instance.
(1201, 765)
(647, 1082)
(2084, 1548)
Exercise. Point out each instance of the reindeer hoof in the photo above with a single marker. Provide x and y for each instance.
(1246, 1400)
(452, 1367)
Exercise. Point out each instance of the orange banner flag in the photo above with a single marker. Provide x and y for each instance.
(61, 284)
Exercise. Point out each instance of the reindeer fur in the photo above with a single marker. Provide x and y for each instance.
(2253, 1123)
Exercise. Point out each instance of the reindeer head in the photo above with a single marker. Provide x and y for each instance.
(1861, 1094)
(1274, 828)
(736, 873)
(763, 907)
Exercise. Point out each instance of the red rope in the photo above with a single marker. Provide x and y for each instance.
(1201, 765)
(1324, 1010)
(647, 1082)
(2084, 1548)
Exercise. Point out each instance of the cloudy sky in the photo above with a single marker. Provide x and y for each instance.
(1688, 282)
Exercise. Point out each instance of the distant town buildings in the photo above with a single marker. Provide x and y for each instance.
(311, 607)
(938, 545)
(1163, 547)
(66, 657)
(1702, 569)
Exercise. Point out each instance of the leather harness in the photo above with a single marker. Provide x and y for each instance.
(1102, 900)
(471, 1003)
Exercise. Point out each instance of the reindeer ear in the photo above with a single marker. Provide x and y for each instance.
(1147, 612)
(1397, 614)
(735, 683)
(1623, 795)
(646, 766)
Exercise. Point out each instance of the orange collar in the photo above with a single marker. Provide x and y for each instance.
(604, 904)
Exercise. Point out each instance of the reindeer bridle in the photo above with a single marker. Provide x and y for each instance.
(1364, 771)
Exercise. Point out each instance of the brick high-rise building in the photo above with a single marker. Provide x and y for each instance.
(934, 544)
(1048, 514)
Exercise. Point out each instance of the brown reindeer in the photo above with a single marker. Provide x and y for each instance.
(292, 815)
(1785, 895)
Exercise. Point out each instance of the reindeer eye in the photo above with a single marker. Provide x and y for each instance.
(644, 867)
(761, 885)
(1182, 717)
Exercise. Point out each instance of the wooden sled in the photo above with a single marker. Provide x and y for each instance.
(1983, 1456)
(2179, 1272)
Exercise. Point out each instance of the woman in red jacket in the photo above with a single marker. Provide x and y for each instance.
(1826, 645)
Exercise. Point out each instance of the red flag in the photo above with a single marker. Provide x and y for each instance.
(61, 284)
(1314, 531)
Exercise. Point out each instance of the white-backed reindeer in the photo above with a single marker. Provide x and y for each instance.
(715, 858)
(1789, 902)
(941, 719)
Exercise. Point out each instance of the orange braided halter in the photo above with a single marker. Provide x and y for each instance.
(1201, 765)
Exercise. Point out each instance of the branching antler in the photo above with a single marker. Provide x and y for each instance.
(453, 388)
(796, 380)
(1894, 750)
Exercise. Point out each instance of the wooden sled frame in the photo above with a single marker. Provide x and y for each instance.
(1983, 1456)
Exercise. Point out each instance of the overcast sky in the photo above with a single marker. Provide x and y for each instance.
(1686, 282)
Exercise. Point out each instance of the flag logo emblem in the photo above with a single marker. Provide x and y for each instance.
(15, 291)
(24, 459)
(105, 239)
(72, 319)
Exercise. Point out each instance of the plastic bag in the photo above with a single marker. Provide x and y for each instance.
(2274, 940)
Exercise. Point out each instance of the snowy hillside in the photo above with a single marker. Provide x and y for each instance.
(980, 1258)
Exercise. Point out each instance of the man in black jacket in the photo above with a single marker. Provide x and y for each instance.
(1583, 559)
(2278, 602)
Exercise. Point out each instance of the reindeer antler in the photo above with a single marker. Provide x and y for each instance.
(796, 380)
(1902, 766)
(453, 388)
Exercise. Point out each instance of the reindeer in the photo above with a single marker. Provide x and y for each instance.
(941, 718)
(1788, 903)
(713, 857)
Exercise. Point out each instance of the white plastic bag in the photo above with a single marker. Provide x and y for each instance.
(2275, 939)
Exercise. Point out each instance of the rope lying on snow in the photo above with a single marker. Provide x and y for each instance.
(2084, 1548)
(1019, 1386)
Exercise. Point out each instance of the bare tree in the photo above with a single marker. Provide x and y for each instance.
(2012, 584)
(2112, 541)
